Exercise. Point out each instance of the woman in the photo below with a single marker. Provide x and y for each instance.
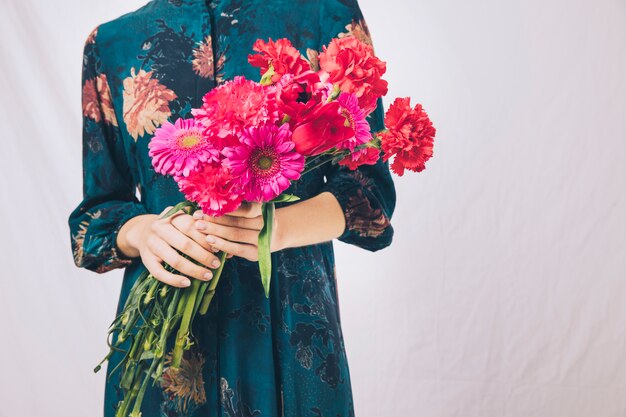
(254, 356)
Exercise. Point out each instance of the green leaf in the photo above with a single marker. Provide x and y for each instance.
(266, 79)
(265, 253)
(285, 198)
(181, 205)
(148, 354)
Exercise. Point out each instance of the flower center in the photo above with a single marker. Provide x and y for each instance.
(349, 119)
(265, 162)
(189, 141)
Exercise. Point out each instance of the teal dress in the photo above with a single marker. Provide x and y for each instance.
(255, 356)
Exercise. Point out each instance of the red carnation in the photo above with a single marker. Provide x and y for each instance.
(213, 187)
(364, 156)
(352, 65)
(229, 107)
(409, 138)
(281, 55)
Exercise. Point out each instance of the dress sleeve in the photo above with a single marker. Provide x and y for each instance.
(108, 188)
(366, 195)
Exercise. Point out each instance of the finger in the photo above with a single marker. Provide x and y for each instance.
(243, 250)
(164, 251)
(234, 234)
(175, 215)
(153, 264)
(179, 240)
(247, 209)
(252, 223)
(201, 251)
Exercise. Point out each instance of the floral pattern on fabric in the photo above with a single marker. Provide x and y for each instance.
(146, 103)
(183, 388)
(254, 356)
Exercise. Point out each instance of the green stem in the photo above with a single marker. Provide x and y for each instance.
(167, 323)
(189, 302)
(316, 166)
(125, 405)
(142, 390)
(132, 360)
(106, 358)
(265, 251)
(208, 295)
(152, 287)
(310, 161)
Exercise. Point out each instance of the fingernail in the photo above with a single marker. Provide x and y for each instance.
(197, 214)
(200, 225)
(208, 275)
(185, 283)
(210, 239)
(215, 263)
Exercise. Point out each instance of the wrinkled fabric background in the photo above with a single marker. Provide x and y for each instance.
(504, 292)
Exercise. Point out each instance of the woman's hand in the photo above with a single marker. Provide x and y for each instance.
(155, 240)
(237, 233)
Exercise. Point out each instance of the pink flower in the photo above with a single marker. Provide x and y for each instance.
(281, 55)
(179, 148)
(265, 161)
(213, 188)
(352, 65)
(355, 118)
(236, 104)
(364, 156)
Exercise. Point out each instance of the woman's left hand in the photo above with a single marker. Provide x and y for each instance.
(237, 233)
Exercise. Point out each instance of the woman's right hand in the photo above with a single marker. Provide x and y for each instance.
(155, 240)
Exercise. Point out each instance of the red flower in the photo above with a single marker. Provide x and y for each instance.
(281, 55)
(213, 187)
(352, 65)
(409, 138)
(364, 156)
(298, 95)
(229, 107)
(323, 128)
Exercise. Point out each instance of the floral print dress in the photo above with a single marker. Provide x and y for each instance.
(255, 356)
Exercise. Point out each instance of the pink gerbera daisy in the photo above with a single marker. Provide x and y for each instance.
(265, 161)
(238, 103)
(355, 118)
(178, 149)
(213, 188)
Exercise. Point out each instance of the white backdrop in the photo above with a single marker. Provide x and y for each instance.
(503, 294)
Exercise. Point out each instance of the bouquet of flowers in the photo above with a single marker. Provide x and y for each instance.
(247, 142)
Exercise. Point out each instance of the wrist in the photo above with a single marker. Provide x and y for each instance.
(129, 237)
(280, 239)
